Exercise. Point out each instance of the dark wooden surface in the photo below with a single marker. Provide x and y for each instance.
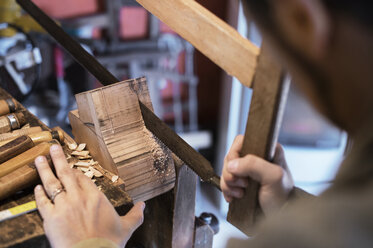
(269, 95)
(169, 218)
(27, 230)
(191, 157)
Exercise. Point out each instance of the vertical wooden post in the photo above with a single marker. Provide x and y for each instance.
(263, 124)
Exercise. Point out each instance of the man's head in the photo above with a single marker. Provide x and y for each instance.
(327, 46)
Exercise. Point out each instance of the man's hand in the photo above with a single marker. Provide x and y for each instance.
(275, 179)
(80, 211)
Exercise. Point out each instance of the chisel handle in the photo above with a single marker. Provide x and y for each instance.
(23, 177)
(19, 132)
(25, 157)
(15, 147)
(8, 106)
(11, 122)
(40, 137)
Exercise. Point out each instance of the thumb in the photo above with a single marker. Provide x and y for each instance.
(134, 218)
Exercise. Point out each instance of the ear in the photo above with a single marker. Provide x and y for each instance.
(304, 24)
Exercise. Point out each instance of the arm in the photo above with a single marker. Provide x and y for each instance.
(276, 183)
(80, 211)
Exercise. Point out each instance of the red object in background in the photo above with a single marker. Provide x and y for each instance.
(133, 23)
(165, 29)
(68, 8)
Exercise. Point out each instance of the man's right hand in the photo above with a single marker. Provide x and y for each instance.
(275, 179)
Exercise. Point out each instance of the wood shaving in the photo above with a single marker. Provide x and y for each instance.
(96, 173)
(114, 178)
(82, 164)
(72, 146)
(89, 174)
(99, 188)
(81, 147)
(83, 169)
(80, 153)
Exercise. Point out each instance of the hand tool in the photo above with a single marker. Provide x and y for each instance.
(15, 147)
(17, 211)
(20, 179)
(26, 157)
(185, 152)
(7, 106)
(40, 137)
(10, 149)
(19, 132)
(11, 122)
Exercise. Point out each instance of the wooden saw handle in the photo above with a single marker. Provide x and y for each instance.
(25, 158)
(267, 105)
(209, 34)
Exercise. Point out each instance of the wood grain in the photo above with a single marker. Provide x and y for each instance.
(19, 132)
(263, 124)
(141, 160)
(185, 152)
(15, 147)
(210, 35)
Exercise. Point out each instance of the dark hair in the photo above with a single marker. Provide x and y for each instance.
(360, 10)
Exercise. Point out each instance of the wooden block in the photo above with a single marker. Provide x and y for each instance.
(111, 124)
(84, 133)
(263, 124)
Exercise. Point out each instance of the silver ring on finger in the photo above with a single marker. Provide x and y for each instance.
(56, 192)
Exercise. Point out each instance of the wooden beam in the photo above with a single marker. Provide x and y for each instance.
(209, 34)
(263, 124)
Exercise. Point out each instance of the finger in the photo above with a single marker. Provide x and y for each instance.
(64, 172)
(45, 206)
(50, 182)
(233, 180)
(279, 157)
(256, 168)
(84, 182)
(134, 218)
(230, 192)
(234, 151)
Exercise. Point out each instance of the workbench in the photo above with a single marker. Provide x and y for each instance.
(27, 230)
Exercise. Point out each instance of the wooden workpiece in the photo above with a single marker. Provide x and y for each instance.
(27, 230)
(270, 91)
(209, 34)
(110, 122)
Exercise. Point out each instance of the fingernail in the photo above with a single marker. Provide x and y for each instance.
(40, 159)
(38, 187)
(143, 206)
(54, 148)
(232, 165)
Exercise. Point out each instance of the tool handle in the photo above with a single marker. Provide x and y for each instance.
(19, 132)
(267, 105)
(15, 147)
(209, 34)
(11, 122)
(47, 136)
(7, 106)
(21, 178)
(26, 157)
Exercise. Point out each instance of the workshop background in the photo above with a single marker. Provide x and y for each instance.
(195, 97)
